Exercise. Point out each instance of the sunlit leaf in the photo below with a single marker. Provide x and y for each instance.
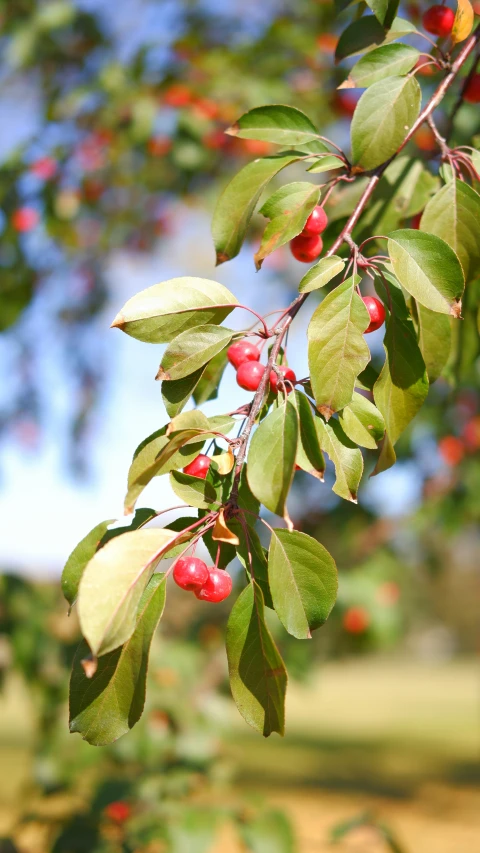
(345, 455)
(238, 201)
(288, 209)
(276, 123)
(391, 60)
(160, 313)
(303, 581)
(113, 583)
(78, 559)
(434, 339)
(383, 116)
(337, 351)
(110, 703)
(271, 457)
(321, 273)
(309, 457)
(362, 422)
(453, 214)
(192, 349)
(428, 269)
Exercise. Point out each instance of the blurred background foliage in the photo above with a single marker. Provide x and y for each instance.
(113, 135)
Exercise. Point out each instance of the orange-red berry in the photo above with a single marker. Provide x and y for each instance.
(316, 222)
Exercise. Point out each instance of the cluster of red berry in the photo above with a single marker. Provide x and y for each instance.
(307, 247)
(245, 358)
(206, 583)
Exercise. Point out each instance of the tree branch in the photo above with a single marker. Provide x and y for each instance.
(344, 236)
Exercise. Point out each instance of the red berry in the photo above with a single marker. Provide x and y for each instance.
(416, 220)
(288, 374)
(118, 811)
(217, 587)
(249, 375)
(438, 20)
(376, 312)
(471, 433)
(242, 351)
(44, 168)
(24, 219)
(472, 90)
(190, 573)
(316, 222)
(199, 467)
(356, 620)
(306, 249)
(451, 449)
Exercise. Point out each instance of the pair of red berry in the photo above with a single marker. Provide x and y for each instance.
(207, 584)
(308, 245)
(245, 358)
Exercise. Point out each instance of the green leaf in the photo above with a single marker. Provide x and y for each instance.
(309, 457)
(402, 386)
(238, 201)
(362, 422)
(276, 123)
(193, 349)
(344, 454)
(271, 457)
(258, 678)
(303, 581)
(253, 557)
(428, 269)
(454, 214)
(176, 393)
(160, 313)
(326, 164)
(358, 36)
(269, 832)
(384, 10)
(288, 208)
(159, 453)
(321, 273)
(383, 116)
(192, 829)
(434, 339)
(140, 518)
(403, 190)
(113, 583)
(106, 706)
(337, 351)
(78, 559)
(193, 490)
(207, 388)
(391, 60)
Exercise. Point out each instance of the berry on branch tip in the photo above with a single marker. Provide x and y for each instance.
(198, 467)
(376, 313)
(438, 20)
